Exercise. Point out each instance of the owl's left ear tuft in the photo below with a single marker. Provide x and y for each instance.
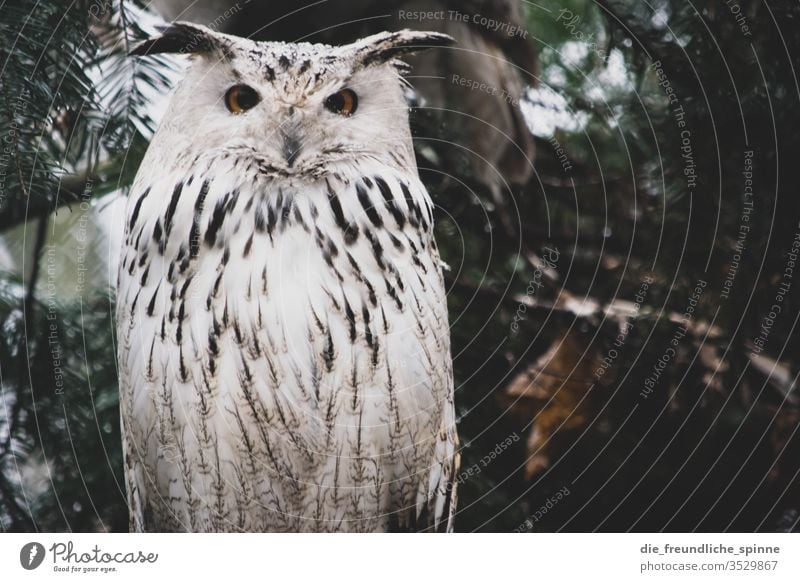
(385, 46)
(179, 38)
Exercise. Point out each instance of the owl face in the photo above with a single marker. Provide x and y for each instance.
(298, 110)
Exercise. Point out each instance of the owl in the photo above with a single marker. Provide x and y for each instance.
(283, 337)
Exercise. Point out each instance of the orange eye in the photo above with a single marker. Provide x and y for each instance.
(345, 102)
(240, 98)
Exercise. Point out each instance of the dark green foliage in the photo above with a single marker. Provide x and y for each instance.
(43, 82)
(63, 459)
(73, 127)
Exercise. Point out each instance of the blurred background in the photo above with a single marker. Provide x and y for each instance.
(617, 199)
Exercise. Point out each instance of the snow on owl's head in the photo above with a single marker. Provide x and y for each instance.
(299, 109)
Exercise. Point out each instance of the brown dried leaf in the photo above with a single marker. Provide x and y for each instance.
(556, 391)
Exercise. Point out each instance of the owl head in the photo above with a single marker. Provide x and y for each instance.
(298, 109)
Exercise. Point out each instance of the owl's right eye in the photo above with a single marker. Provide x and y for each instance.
(240, 98)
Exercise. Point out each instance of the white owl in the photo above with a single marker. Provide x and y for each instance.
(284, 350)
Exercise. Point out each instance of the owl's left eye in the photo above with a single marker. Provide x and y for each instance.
(345, 102)
(240, 98)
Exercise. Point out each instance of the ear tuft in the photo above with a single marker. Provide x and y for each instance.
(385, 46)
(179, 38)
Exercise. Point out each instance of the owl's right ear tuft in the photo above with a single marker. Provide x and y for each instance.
(179, 38)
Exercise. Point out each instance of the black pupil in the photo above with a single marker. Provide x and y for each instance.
(335, 102)
(246, 97)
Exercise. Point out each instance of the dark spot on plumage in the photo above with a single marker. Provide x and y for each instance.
(173, 205)
(185, 264)
(420, 327)
(150, 359)
(366, 316)
(226, 255)
(367, 181)
(286, 213)
(368, 206)
(269, 73)
(328, 354)
(304, 66)
(350, 230)
(157, 232)
(354, 402)
(272, 220)
(142, 258)
(255, 346)
(135, 302)
(319, 238)
(194, 233)
(421, 281)
(185, 287)
(284, 62)
(351, 319)
(171, 273)
(143, 280)
(151, 306)
(375, 352)
(332, 249)
(137, 208)
(334, 301)
(390, 202)
(217, 218)
(216, 328)
(413, 210)
(417, 301)
(393, 294)
(377, 248)
(328, 259)
(213, 346)
(139, 239)
(385, 322)
(419, 264)
(423, 217)
(395, 241)
(247, 246)
(373, 298)
(237, 331)
(163, 328)
(131, 267)
(260, 220)
(183, 371)
(317, 321)
(201, 196)
(179, 330)
(354, 264)
(298, 216)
